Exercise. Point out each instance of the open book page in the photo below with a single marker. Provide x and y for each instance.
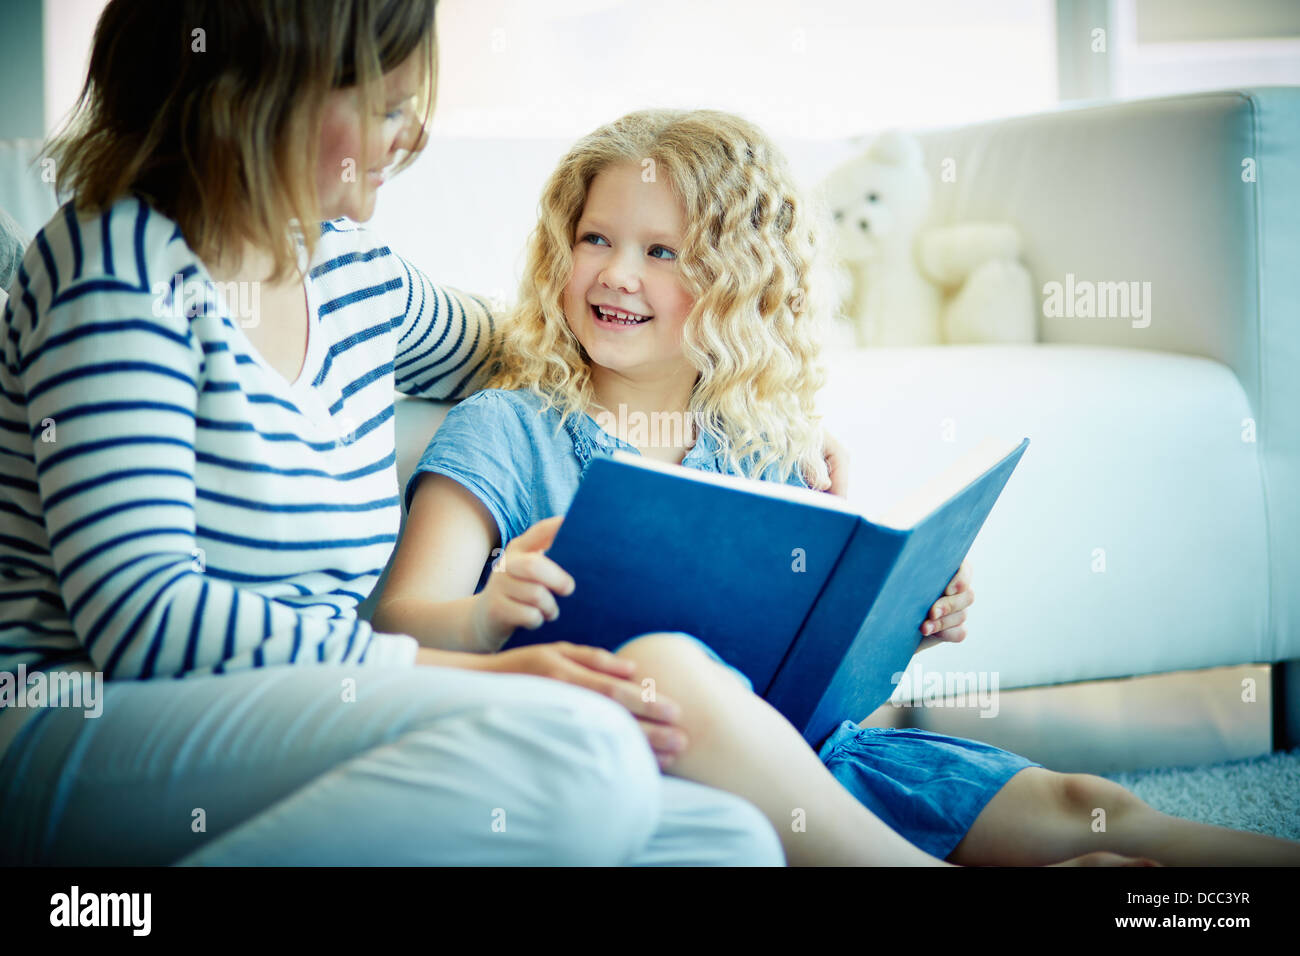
(904, 514)
(928, 497)
(771, 489)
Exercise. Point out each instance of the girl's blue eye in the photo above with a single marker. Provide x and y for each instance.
(394, 114)
(597, 239)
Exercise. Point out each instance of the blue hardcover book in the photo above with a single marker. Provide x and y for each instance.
(818, 605)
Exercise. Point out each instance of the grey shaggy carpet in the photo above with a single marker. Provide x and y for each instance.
(1261, 794)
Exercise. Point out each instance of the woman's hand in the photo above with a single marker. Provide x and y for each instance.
(521, 589)
(837, 463)
(943, 623)
(599, 670)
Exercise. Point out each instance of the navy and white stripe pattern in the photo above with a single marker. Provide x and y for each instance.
(169, 504)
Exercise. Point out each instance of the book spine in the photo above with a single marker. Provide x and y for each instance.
(834, 623)
(911, 569)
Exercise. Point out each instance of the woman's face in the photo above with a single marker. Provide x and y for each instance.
(347, 178)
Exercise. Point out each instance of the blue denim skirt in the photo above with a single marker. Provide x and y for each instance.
(927, 787)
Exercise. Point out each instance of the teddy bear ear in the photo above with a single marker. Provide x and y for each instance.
(897, 148)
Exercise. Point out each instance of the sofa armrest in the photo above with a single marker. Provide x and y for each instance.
(24, 192)
(1198, 195)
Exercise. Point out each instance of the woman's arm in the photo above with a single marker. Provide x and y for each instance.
(447, 340)
(115, 488)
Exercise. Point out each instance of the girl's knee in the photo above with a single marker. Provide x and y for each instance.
(662, 645)
(670, 652)
(1085, 794)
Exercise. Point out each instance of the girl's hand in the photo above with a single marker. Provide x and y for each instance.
(520, 590)
(599, 670)
(945, 617)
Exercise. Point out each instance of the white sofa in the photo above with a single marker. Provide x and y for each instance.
(1175, 446)
(1139, 455)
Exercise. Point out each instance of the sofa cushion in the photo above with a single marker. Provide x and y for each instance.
(1131, 537)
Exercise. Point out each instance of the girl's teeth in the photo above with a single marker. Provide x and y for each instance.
(619, 319)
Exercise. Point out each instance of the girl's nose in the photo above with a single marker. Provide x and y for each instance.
(620, 274)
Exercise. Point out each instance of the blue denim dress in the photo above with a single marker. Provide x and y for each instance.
(524, 465)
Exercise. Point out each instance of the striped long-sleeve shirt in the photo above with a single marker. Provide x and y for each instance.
(169, 504)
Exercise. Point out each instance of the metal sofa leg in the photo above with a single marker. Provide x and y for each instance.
(1285, 692)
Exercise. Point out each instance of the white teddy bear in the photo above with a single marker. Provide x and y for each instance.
(914, 285)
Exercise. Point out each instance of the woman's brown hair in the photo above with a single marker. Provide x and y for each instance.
(210, 110)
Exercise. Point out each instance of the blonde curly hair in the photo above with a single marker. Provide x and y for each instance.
(753, 257)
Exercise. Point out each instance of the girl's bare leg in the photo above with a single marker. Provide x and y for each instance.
(1042, 817)
(739, 743)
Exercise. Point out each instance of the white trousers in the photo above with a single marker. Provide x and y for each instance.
(347, 765)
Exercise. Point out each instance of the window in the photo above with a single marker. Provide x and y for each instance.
(813, 70)
(1133, 49)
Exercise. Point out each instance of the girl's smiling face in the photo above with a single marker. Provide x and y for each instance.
(624, 260)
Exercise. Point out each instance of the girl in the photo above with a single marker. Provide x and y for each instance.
(184, 493)
(675, 271)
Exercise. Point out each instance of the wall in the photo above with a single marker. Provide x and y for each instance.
(20, 70)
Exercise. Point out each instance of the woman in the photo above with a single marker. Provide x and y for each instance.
(192, 492)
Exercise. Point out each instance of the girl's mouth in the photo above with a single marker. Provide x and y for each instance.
(616, 318)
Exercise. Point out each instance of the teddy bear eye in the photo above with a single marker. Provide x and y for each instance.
(838, 215)
(873, 197)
